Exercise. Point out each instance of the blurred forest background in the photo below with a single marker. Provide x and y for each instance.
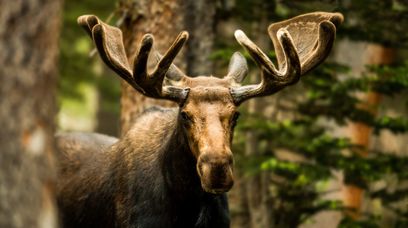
(330, 151)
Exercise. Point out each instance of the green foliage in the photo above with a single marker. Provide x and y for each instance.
(335, 98)
(80, 74)
(367, 223)
(75, 64)
(297, 186)
(296, 190)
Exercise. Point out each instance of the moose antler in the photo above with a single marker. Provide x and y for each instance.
(300, 43)
(109, 42)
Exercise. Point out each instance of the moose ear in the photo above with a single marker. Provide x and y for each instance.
(238, 68)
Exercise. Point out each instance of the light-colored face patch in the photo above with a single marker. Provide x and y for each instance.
(209, 115)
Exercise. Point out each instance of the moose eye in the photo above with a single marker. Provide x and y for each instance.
(186, 118)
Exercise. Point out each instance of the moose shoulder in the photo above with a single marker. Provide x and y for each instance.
(173, 167)
(156, 182)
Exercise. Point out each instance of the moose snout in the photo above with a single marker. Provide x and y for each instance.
(215, 172)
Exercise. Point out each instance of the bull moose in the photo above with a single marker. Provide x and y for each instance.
(175, 165)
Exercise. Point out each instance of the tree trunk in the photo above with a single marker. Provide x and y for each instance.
(165, 19)
(360, 133)
(29, 31)
(199, 18)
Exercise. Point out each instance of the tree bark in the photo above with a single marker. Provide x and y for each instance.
(360, 133)
(199, 18)
(29, 31)
(165, 19)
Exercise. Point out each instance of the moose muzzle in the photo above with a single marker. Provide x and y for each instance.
(215, 172)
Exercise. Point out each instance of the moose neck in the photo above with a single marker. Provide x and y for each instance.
(179, 164)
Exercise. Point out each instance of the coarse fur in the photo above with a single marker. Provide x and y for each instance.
(148, 181)
(173, 167)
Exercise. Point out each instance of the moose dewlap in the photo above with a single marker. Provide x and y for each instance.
(173, 167)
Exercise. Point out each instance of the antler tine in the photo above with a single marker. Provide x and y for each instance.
(87, 22)
(140, 62)
(301, 43)
(109, 43)
(327, 34)
(153, 83)
(173, 73)
(168, 58)
(165, 65)
(273, 80)
(117, 62)
(256, 53)
(314, 35)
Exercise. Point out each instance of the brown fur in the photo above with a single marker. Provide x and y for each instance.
(174, 165)
(165, 167)
(211, 111)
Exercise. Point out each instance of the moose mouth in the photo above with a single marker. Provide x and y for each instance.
(217, 190)
(216, 179)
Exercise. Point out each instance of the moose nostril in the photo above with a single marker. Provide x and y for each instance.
(219, 172)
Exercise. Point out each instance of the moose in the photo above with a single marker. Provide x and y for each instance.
(175, 165)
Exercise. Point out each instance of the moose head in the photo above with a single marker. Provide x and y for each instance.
(208, 105)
